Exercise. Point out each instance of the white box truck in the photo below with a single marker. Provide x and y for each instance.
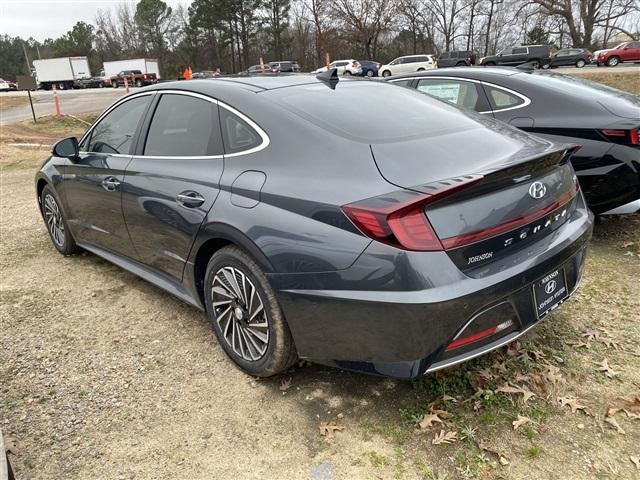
(64, 72)
(145, 65)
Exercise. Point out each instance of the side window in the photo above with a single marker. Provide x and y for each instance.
(184, 126)
(445, 55)
(238, 134)
(114, 133)
(507, 51)
(501, 99)
(403, 83)
(519, 51)
(460, 93)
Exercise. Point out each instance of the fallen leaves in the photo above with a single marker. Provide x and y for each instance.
(428, 420)
(328, 429)
(525, 392)
(573, 403)
(521, 420)
(606, 369)
(285, 384)
(445, 438)
(611, 420)
(635, 461)
(504, 460)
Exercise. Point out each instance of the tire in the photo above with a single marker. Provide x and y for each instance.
(612, 61)
(346, 72)
(535, 63)
(580, 63)
(490, 64)
(461, 64)
(61, 86)
(369, 73)
(545, 66)
(420, 69)
(386, 73)
(56, 223)
(138, 83)
(250, 352)
(114, 84)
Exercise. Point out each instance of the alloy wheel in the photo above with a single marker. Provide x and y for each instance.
(240, 313)
(53, 216)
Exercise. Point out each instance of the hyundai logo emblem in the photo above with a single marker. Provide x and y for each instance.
(537, 190)
(550, 287)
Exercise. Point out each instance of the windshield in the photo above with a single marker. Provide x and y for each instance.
(571, 85)
(372, 111)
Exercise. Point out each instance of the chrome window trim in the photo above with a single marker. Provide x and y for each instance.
(263, 135)
(526, 100)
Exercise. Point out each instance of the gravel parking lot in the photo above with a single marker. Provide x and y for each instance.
(105, 376)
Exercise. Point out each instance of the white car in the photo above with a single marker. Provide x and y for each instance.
(344, 67)
(6, 85)
(407, 64)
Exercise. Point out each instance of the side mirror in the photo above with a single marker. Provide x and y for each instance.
(66, 148)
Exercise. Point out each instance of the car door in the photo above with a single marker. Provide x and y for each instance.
(631, 52)
(173, 179)
(91, 184)
(462, 93)
(519, 55)
(561, 58)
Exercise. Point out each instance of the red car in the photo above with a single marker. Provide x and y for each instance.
(625, 52)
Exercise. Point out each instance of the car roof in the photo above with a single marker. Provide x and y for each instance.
(471, 72)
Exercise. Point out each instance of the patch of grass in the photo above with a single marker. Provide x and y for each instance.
(627, 81)
(7, 102)
(411, 416)
(528, 432)
(65, 125)
(376, 459)
(533, 452)
(451, 383)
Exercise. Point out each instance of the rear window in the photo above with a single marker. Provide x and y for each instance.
(570, 85)
(371, 111)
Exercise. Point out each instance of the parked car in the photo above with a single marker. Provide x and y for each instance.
(259, 69)
(409, 63)
(285, 66)
(7, 86)
(625, 52)
(369, 68)
(343, 67)
(569, 57)
(458, 58)
(135, 78)
(537, 55)
(392, 262)
(603, 120)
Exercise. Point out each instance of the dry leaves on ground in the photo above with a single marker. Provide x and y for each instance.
(504, 460)
(636, 461)
(285, 384)
(573, 402)
(525, 392)
(521, 420)
(445, 437)
(428, 420)
(611, 420)
(606, 369)
(328, 429)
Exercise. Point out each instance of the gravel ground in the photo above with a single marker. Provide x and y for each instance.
(105, 376)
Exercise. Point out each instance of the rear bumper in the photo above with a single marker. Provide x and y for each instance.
(394, 312)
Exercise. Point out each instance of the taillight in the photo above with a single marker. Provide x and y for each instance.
(629, 137)
(399, 219)
(461, 342)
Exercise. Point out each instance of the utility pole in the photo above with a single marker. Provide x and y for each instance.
(26, 58)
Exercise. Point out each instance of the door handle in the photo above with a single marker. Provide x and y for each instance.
(190, 199)
(110, 184)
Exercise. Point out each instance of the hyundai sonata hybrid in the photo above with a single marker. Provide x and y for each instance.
(603, 120)
(306, 229)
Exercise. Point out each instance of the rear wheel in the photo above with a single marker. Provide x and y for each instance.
(346, 72)
(613, 61)
(138, 83)
(114, 84)
(369, 73)
(56, 224)
(460, 64)
(245, 315)
(386, 73)
(580, 63)
(490, 64)
(421, 69)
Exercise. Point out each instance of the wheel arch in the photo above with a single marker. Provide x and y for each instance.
(212, 238)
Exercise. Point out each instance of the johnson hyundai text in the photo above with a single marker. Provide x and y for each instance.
(396, 247)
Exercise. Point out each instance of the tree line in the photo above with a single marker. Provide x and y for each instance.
(231, 35)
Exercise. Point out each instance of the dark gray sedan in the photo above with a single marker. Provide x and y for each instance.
(351, 223)
(604, 121)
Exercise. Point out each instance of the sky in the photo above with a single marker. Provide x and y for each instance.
(42, 19)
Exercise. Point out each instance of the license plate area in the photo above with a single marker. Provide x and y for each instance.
(549, 292)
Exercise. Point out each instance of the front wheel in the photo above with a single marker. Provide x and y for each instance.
(138, 83)
(580, 63)
(490, 64)
(347, 72)
(369, 73)
(114, 84)
(613, 61)
(245, 316)
(386, 73)
(56, 224)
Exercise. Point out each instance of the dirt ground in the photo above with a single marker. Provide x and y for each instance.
(105, 376)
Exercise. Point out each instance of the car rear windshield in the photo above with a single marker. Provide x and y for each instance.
(371, 111)
(571, 85)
